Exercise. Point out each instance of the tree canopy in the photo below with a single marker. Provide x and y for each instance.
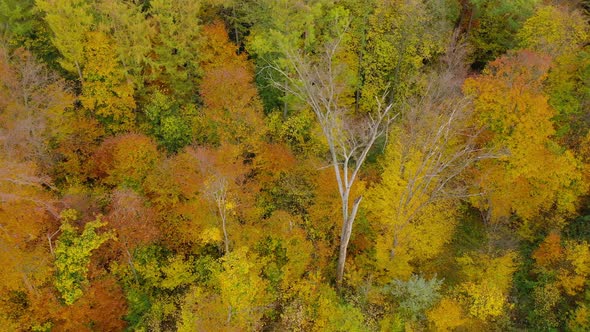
(294, 165)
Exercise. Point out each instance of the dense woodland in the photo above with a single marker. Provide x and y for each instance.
(294, 165)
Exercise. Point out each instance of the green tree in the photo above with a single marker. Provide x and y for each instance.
(16, 18)
(173, 66)
(131, 34)
(22, 25)
(400, 38)
(554, 31)
(72, 255)
(69, 20)
(277, 28)
(493, 26)
(415, 296)
(569, 94)
(170, 122)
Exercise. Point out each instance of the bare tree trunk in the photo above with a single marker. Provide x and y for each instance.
(350, 137)
(49, 239)
(130, 262)
(219, 194)
(224, 228)
(285, 106)
(345, 239)
(79, 71)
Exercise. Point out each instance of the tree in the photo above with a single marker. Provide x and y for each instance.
(169, 120)
(32, 107)
(217, 190)
(400, 37)
(72, 255)
(102, 306)
(76, 147)
(534, 174)
(560, 274)
(28, 215)
(446, 315)
(69, 20)
(22, 25)
(126, 159)
(106, 91)
(312, 305)
(234, 298)
(493, 25)
(429, 153)
(133, 221)
(487, 283)
(350, 137)
(554, 31)
(276, 27)
(154, 287)
(16, 18)
(415, 296)
(568, 94)
(128, 27)
(242, 289)
(172, 66)
(228, 91)
(224, 171)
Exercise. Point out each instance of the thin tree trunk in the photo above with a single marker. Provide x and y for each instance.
(130, 262)
(345, 239)
(79, 71)
(225, 237)
(285, 108)
(222, 213)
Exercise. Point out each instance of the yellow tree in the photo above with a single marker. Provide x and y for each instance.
(72, 254)
(488, 279)
(69, 20)
(430, 149)
(106, 91)
(238, 305)
(534, 174)
(554, 31)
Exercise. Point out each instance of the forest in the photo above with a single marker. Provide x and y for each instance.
(294, 165)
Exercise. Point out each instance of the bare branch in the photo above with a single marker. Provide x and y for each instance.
(317, 80)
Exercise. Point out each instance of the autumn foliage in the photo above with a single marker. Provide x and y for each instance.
(294, 165)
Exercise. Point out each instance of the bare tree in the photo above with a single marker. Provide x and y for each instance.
(217, 190)
(218, 179)
(438, 127)
(320, 81)
(32, 100)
